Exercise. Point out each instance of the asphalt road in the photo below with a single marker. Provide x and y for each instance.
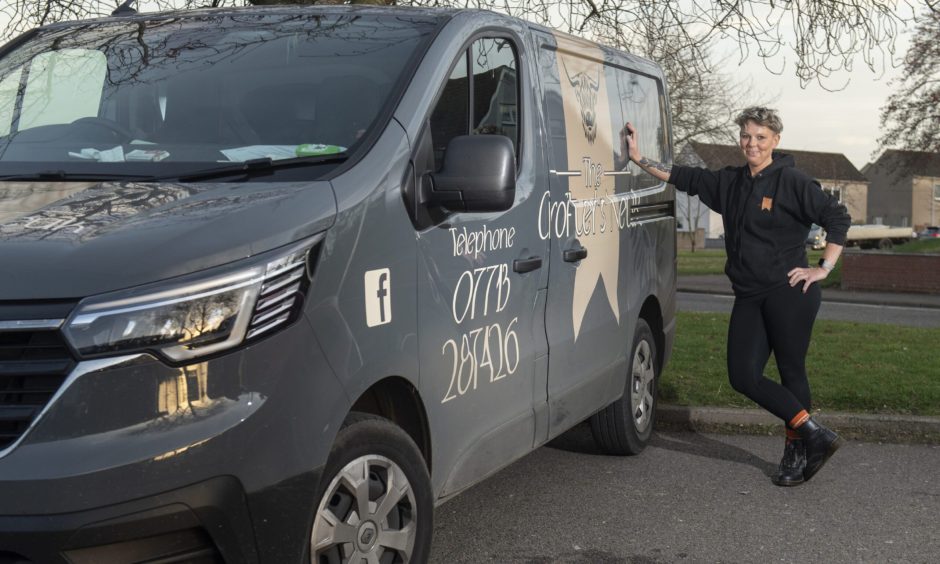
(865, 313)
(696, 498)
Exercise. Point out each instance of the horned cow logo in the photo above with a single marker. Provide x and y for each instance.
(586, 87)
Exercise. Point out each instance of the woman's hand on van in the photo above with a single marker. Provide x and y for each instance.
(628, 144)
(628, 139)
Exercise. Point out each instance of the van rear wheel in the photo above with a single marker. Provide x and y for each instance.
(374, 498)
(625, 426)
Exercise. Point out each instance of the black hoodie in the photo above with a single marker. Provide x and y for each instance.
(766, 218)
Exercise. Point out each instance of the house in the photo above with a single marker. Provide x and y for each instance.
(905, 189)
(834, 171)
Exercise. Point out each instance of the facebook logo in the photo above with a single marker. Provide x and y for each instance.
(378, 297)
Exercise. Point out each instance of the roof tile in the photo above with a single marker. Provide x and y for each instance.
(910, 163)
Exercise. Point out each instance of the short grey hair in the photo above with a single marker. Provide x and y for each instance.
(761, 116)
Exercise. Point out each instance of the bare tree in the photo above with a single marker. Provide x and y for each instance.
(911, 115)
(689, 212)
(689, 209)
(824, 36)
(703, 102)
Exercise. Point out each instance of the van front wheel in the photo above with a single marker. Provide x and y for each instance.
(375, 498)
(625, 426)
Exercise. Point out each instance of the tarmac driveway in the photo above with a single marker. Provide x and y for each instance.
(697, 498)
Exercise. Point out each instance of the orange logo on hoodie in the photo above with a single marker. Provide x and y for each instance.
(766, 203)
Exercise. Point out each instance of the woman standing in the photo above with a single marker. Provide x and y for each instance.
(767, 207)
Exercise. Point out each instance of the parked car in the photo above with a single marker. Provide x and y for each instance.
(864, 236)
(816, 237)
(930, 232)
(275, 281)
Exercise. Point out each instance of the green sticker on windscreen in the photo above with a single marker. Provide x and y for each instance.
(314, 149)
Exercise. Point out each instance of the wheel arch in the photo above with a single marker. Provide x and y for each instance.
(397, 400)
(652, 313)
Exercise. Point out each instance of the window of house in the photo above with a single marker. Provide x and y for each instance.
(494, 91)
(936, 192)
(835, 191)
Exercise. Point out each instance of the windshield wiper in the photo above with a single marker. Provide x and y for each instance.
(252, 167)
(61, 175)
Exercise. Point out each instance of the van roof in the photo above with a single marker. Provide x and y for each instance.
(441, 14)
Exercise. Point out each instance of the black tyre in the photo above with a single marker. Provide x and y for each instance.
(886, 244)
(625, 426)
(374, 502)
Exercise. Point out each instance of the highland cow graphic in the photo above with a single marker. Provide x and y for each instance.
(586, 85)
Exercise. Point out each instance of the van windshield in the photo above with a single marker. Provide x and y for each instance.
(170, 94)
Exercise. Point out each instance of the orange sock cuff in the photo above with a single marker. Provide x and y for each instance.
(799, 419)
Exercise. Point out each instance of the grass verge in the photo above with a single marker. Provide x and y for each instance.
(712, 262)
(922, 246)
(701, 262)
(859, 367)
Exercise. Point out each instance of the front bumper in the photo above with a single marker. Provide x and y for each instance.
(137, 461)
(205, 522)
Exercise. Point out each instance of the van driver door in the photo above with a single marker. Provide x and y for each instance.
(481, 280)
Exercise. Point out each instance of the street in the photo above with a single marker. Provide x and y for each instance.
(696, 498)
(839, 311)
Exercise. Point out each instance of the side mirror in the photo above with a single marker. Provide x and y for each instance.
(479, 175)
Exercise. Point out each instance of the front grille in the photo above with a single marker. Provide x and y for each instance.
(33, 365)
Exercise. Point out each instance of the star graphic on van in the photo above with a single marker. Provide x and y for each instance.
(602, 265)
(595, 221)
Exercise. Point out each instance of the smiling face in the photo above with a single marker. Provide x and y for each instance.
(758, 143)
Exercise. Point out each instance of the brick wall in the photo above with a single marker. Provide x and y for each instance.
(891, 272)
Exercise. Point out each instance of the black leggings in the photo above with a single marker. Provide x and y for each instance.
(778, 321)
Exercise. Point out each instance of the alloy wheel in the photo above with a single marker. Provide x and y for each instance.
(641, 386)
(367, 515)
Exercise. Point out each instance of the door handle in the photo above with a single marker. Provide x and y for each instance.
(574, 255)
(527, 265)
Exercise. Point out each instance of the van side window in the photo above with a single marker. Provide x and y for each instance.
(495, 93)
(495, 89)
(451, 116)
(641, 102)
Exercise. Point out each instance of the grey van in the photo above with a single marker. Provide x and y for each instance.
(276, 282)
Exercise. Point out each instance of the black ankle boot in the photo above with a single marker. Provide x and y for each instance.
(820, 443)
(790, 471)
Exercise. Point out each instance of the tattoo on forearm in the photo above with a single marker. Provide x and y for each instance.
(654, 164)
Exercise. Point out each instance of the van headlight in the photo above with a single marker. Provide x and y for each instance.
(194, 317)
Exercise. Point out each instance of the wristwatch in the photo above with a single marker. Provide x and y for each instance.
(826, 265)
